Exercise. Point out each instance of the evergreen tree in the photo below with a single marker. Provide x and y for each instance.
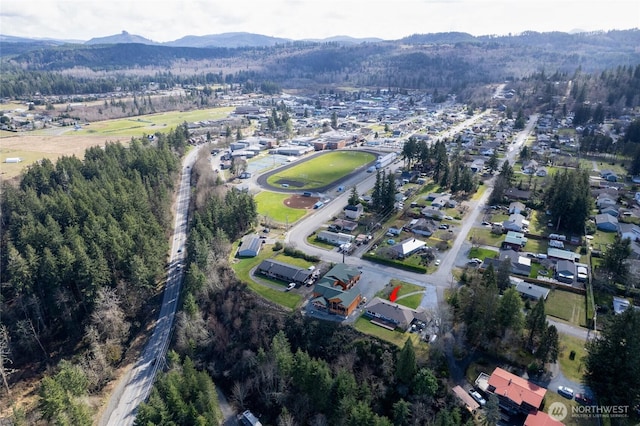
(406, 366)
(613, 361)
(615, 260)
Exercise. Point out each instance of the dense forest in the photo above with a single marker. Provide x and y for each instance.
(449, 63)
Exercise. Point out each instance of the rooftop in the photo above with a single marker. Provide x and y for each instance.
(516, 388)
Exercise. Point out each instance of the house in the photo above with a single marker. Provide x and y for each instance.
(441, 202)
(608, 175)
(283, 271)
(514, 241)
(335, 238)
(604, 200)
(336, 292)
(424, 227)
(610, 210)
(353, 212)
(540, 418)
(477, 166)
(515, 393)
(530, 167)
(520, 265)
(565, 271)
(629, 231)
(516, 222)
(517, 194)
(432, 213)
(559, 254)
(528, 290)
(250, 246)
(516, 207)
(407, 247)
(606, 222)
(388, 314)
(344, 225)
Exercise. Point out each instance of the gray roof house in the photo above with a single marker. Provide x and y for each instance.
(520, 265)
(389, 312)
(565, 271)
(250, 246)
(606, 222)
(528, 290)
(424, 227)
(516, 222)
(516, 207)
(283, 271)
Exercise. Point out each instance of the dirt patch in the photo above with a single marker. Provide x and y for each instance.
(300, 202)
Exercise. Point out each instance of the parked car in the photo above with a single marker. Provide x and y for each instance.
(291, 286)
(566, 392)
(443, 226)
(476, 395)
(583, 399)
(437, 263)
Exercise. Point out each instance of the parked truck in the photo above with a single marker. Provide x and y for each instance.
(385, 160)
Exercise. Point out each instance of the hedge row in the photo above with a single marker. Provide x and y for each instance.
(395, 263)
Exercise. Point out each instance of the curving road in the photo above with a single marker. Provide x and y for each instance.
(135, 386)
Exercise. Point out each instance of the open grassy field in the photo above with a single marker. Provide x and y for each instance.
(567, 306)
(572, 368)
(147, 124)
(271, 204)
(321, 170)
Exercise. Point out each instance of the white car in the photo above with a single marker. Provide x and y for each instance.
(565, 391)
(437, 263)
(476, 395)
(291, 286)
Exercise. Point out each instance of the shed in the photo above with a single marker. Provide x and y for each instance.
(250, 246)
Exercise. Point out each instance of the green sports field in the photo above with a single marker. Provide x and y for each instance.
(271, 204)
(321, 170)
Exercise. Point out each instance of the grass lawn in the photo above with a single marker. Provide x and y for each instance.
(149, 124)
(536, 246)
(406, 288)
(314, 241)
(486, 237)
(271, 204)
(322, 169)
(567, 306)
(573, 369)
(552, 396)
(243, 268)
(481, 253)
(538, 269)
(398, 338)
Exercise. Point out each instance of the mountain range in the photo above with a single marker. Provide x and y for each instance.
(227, 40)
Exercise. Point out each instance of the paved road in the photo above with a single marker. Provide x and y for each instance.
(136, 385)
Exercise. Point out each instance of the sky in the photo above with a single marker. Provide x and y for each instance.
(167, 20)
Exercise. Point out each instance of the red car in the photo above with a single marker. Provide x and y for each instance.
(583, 399)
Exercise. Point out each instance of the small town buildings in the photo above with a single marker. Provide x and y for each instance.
(556, 254)
(517, 194)
(430, 212)
(540, 418)
(250, 246)
(464, 397)
(516, 207)
(629, 231)
(407, 247)
(516, 222)
(344, 225)
(353, 212)
(528, 290)
(334, 238)
(336, 292)
(606, 222)
(424, 227)
(514, 241)
(283, 271)
(514, 393)
(387, 314)
(565, 271)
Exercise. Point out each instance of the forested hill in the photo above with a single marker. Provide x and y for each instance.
(84, 245)
(448, 61)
